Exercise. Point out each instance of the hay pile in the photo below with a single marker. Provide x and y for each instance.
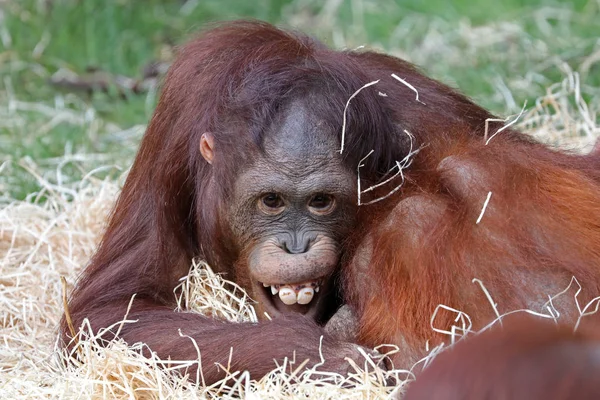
(53, 233)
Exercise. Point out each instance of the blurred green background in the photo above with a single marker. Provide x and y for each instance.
(499, 53)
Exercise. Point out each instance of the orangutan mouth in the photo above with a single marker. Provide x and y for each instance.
(301, 293)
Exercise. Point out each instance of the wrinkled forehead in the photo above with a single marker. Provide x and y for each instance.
(299, 135)
(300, 155)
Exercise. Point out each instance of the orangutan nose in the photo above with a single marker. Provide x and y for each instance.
(296, 245)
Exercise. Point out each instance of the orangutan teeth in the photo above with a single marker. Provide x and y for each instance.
(302, 293)
(287, 295)
(305, 295)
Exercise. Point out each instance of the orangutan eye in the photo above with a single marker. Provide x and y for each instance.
(321, 203)
(271, 203)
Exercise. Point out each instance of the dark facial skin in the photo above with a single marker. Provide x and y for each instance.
(290, 212)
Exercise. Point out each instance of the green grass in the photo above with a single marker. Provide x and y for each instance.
(479, 47)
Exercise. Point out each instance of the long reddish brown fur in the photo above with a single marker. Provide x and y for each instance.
(540, 229)
(543, 216)
(526, 359)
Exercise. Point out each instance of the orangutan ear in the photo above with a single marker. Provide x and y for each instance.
(207, 146)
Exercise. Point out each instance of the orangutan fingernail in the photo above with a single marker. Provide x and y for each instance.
(305, 295)
(287, 296)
